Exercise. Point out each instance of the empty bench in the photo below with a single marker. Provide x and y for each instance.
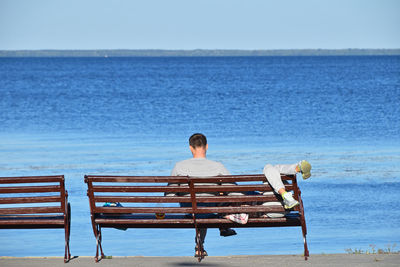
(35, 202)
(143, 197)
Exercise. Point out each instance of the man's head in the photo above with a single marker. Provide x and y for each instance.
(198, 140)
(198, 145)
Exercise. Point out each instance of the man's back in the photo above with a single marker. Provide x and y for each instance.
(200, 167)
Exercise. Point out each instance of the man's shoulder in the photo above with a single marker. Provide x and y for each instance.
(217, 163)
(200, 168)
(198, 160)
(183, 162)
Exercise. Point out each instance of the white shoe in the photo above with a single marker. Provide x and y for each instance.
(289, 201)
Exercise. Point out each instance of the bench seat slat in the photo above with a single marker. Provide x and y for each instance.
(241, 209)
(147, 224)
(141, 210)
(32, 223)
(185, 189)
(136, 179)
(155, 189)
(161, 199)
(244, 177)
(252, 222)
(178, 179)
(32, 219)
(20, 200)
(231, 199)
(29, 216)
(31, 210)
(175, 216)
(148, 221)
(31, 179)
(236, 178)
(236, 188)
(30, 189)
(141, 199)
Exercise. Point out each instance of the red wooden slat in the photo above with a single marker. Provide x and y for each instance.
(21, 200)
(208, 199)
(185, 189)
(141, 210)
(31, 179)
(178, 179)
(135, 179)
(33, 221)
(31, 210)
(141, 199)
(188, 223)
(122, 189)
(29, 189)
(235, 188)
(229, 209)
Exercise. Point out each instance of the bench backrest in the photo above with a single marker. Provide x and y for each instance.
(137, 194)
(144, 194)
(33, 195)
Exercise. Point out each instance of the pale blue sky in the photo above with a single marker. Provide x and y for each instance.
(201, 24)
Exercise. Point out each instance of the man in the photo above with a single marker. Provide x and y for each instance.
(273, 175)
(200, 166)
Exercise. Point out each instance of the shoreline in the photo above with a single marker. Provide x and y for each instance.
(220, 261)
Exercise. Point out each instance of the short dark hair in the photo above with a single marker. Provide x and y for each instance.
(198, 140)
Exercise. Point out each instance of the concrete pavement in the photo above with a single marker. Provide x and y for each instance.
(212, 261)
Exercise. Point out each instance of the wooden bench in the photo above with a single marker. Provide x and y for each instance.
(20, 208)
(141, 197)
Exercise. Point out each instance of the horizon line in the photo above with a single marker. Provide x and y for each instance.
(194, 49)
(197, 52)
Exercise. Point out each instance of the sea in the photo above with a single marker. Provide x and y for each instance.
(134, 115)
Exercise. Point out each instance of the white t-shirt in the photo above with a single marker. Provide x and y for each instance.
(199, 167)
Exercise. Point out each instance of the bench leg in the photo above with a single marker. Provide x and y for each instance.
(306, 255)
(67, 255)
(199, 245)
(98, 241)
(304, 230)
(97, 234)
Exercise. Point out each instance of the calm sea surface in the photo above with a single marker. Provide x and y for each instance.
(133, 116)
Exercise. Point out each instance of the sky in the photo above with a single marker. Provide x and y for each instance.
(199, 24)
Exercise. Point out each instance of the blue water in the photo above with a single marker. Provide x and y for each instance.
(133, 116)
